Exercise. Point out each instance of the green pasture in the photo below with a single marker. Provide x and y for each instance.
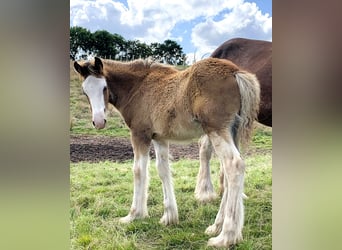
(101, 193)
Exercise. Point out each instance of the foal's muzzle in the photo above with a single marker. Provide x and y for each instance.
(99, 124)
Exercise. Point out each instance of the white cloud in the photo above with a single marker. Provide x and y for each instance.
(157, 18)
(95, 15)
(245, 20)
(154, 20)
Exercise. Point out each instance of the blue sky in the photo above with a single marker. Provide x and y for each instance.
(199, 26)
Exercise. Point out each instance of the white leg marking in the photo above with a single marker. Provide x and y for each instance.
(170, 205)
(231, 214)
(204, 191)
(217, 226)
(139, 204)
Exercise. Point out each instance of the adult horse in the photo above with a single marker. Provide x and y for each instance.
(161, 104)
(256, 57)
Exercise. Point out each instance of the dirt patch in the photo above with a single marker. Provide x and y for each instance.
(102, 148)
(93, 148)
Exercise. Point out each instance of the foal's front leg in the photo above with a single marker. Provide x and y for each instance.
(170, 205)
(139, 203)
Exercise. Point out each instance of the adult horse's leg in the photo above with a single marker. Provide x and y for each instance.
(139, 203)
(170, 205)
(231, 215)
(204, 191)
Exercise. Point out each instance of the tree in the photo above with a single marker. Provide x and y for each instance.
(80, 39)
(157, 53)
(131, 49)
(114, 46)
(104, 44)
(143, 50)
(168, 52)
(120, 45)
(172, 52)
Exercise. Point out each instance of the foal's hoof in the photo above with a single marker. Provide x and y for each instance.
(169, 219)
(205, 197)
(218, 242)
(212, 230)
(127, 219)
(224, 241)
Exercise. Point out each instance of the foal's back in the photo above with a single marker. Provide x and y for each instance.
(182, 105)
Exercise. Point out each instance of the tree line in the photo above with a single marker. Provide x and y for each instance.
(102, 43)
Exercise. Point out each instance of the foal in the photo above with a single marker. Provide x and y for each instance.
(161, 104)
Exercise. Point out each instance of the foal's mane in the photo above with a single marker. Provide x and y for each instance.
(138, 65)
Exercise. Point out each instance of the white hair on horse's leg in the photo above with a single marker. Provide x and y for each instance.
(232, 201)
(170, 215)
(139, 203)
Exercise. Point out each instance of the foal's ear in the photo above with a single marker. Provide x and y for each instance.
(98, 64)
(97, 68)
(78, 68)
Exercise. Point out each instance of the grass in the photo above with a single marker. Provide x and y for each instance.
(101, 193)
(262, 138)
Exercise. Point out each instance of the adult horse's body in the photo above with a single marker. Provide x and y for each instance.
(160, 104)
(256, 57)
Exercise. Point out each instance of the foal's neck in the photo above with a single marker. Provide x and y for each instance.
(122, 79)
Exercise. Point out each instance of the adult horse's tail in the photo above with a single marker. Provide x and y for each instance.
(250, 99)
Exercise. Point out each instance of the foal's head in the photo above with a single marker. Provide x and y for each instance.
(95, 88)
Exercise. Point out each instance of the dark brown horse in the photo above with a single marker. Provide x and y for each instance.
(161, 104)
(254, 56)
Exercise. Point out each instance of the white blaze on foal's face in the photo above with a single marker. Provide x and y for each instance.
(95, 88)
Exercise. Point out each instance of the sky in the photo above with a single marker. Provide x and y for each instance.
(199, 26)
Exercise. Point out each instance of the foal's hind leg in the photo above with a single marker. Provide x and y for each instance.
(204, 191)
(139, 203)
(217, 226)
(231, 215)
(170, 206)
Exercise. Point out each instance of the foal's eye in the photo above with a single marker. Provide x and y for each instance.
(105, 88)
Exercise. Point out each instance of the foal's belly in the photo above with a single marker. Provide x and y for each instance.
(181, 132)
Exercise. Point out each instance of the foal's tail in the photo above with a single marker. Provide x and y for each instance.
(250, 100)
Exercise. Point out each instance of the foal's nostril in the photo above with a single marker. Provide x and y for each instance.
(94, 123)
(105, 121)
